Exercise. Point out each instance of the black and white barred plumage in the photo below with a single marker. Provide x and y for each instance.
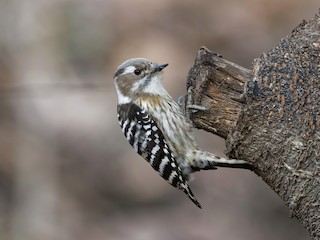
(156, 128)
(147, 139)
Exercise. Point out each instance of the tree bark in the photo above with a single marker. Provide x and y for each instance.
(269, 116)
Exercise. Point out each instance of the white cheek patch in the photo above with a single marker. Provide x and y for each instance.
(129, 69)
(155, 86)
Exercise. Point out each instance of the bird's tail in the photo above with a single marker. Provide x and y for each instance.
(206, 161)
(186, 189)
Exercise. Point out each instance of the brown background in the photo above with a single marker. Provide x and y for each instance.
(67, 172)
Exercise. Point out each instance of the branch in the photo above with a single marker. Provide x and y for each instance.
(217, 85)
(270, 116)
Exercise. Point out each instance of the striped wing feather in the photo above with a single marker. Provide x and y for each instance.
(147, 139)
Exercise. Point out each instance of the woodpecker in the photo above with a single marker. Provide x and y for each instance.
(156, 127)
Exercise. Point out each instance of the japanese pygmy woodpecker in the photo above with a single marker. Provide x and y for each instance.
(156, 127)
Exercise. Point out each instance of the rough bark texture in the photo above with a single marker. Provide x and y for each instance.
(217, 85)
(270, 118)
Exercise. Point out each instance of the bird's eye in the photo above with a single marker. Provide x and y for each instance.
(137, 72)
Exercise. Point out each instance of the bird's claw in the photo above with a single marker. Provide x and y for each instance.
(181, 101)
(195, 108)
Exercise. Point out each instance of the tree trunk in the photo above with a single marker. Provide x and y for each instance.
(269, 116)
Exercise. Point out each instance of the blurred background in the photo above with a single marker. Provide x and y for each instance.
(67, 172)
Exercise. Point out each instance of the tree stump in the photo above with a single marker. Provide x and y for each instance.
(269, 116)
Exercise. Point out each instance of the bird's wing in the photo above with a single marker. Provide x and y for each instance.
(146, 138)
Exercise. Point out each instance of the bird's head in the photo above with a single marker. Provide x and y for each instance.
(137, 77)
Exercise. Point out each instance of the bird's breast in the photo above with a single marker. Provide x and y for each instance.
(173, 124)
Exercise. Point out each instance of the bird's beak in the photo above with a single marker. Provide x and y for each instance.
(159, 67)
